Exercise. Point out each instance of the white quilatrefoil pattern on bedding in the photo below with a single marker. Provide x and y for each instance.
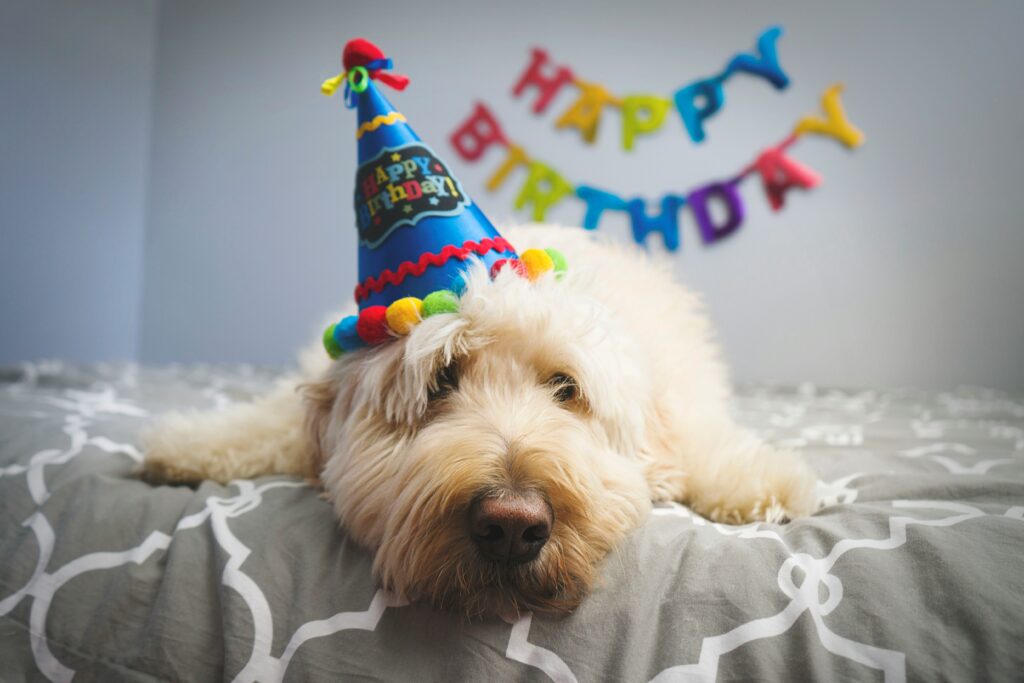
(858, 441)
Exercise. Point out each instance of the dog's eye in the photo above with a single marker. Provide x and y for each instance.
(445, 382)
(565, 386)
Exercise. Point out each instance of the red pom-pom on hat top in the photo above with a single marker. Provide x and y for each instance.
(360, 52)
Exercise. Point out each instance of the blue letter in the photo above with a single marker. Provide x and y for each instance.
(597, 202)
(667, 222)
(710, 90)
(767, 65)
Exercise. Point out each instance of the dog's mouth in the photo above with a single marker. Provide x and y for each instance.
(509, 588)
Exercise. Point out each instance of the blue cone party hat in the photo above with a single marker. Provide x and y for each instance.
(417, 228)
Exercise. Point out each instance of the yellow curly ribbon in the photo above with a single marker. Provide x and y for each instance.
(331, 84)
(378, 121)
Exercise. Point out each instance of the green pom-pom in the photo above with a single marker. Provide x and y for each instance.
(333, 350)
(560, 264)
(441, 301)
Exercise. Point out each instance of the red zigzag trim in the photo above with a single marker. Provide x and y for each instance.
(417, 268)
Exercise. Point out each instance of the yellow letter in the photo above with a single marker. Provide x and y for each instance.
(516, 156)
(544, 187)
(585, 112)
(642, 114)
(835, 124)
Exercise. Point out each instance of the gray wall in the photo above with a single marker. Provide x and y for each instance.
(75, 95)
(904, 268)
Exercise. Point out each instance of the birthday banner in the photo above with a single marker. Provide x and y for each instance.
(544, 187)
(644, 114)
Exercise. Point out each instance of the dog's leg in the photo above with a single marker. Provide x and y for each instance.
(267, 436)
(731, 476)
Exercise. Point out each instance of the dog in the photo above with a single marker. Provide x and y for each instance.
(493, 457)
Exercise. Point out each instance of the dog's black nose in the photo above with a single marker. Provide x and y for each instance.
(512, 527)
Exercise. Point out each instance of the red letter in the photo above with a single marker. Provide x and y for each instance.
(547, 86)
(412, 190)
(370, 187)
(779, 174)
(477, 133)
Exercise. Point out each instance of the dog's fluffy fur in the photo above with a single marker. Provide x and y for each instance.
(405, 435)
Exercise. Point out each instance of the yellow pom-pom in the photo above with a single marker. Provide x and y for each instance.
(537, 262)
(404, 314)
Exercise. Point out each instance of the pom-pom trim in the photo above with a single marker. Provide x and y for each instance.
(377, 324)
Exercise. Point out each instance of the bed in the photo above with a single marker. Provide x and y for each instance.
(912, 569)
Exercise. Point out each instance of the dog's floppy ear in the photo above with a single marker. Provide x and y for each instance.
(319, 398)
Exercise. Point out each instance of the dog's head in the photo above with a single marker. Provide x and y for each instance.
(490, 456)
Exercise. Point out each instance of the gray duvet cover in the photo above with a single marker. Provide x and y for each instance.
(913, 568)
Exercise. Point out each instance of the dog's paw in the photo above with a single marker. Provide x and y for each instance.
(781, 496)
(775, 511)
(666, 482)
(771, 510)
(172, 453)
(157, 471)
(793, 497)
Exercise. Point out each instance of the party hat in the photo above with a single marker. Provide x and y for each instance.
(417, 228)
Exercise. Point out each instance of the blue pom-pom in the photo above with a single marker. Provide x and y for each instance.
(458, 283)
(345, 335)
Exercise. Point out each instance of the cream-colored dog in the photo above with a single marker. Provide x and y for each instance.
(493, 457)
